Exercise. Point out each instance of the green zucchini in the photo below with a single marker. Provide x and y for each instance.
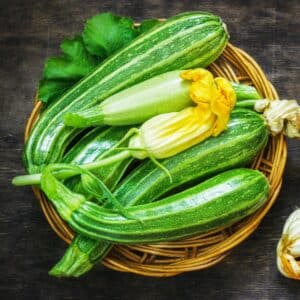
(90, 148)
(245, 92)
(184, 41)
(237, 146)
(163, 93)
(217, 202)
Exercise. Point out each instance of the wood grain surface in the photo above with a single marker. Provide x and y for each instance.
(32, 31)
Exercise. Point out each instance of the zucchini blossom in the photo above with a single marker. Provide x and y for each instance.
(281, 116)
(288, 249)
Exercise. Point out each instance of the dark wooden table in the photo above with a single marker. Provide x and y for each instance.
(30, 32)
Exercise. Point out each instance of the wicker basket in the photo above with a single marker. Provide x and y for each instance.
(203, 251)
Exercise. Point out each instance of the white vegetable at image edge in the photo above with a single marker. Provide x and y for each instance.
(281, 116)
(288, 249)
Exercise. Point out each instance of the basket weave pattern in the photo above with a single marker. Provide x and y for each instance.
(205, 250)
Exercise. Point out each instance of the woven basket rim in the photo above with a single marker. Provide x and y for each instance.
(202, 251)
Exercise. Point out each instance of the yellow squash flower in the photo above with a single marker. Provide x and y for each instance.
(218, 92)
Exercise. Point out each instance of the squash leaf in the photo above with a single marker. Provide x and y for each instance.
(75, 62)
(105, 33)
(60, 73)
(51, 89)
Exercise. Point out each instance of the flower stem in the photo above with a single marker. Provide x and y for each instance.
(33, 179)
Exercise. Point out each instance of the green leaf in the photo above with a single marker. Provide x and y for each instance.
(105, 33)
(52, 89)
(75, 62)
(60, 73)
(147, 25)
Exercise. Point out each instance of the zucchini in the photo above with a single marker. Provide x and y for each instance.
(160, 94)
(237, 146)
(245, 92)
(184, 41)
(217, 202)
(90, 148)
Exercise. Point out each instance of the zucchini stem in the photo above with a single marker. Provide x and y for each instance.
(34, 179)
(247, 103)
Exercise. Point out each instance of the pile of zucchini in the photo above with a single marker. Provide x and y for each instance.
(132, 201)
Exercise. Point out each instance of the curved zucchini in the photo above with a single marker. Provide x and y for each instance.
(217, 202)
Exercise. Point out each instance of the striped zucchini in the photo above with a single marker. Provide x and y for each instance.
(90, 148)
(237, 146)
(245, 92)
(217, 202)
(184, 41)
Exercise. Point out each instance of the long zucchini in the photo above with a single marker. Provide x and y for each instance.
(237, 146)
(219, 201)
(184, 41)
